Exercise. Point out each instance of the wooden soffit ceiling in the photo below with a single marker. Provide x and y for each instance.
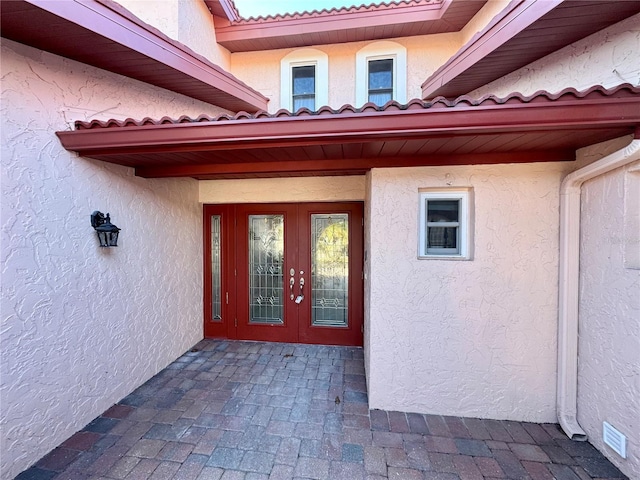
(514, 129)
(521, 34)
(103, 34)
(340, 25)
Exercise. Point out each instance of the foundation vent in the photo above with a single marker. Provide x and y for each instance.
(615, 439)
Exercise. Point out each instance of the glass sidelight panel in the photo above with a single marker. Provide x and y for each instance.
(329, 269)
(216, 270)
(266, 258)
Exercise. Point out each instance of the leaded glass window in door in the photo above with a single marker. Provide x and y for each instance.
(216, 270)
(266, 258)
(329, 269)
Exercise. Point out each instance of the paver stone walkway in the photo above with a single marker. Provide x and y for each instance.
(230, 410)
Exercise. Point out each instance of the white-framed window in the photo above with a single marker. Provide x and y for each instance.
(380, 80)
(304, 80)
(381, 73)
(303, 87)
(445, 224)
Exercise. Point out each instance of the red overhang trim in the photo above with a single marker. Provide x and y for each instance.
(349, 24)
(514, 18)
(522, 33)
(541, 111)
(223, 8)
(351, 141)
(100, 20)
(366, 8)
(345, 166)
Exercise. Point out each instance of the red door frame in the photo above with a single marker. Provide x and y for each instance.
(233, 261)
(352, 335)
(268, 333)
(224, 328)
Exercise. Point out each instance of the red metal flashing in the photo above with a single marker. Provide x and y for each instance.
(522, 33)
(376, 6)
(103, 34)
(540, 127)
(223, 8)
(348, 24)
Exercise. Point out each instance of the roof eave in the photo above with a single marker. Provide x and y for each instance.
(113, 25)
(521, 34)
(223, 8)
(616, 111)
(374, 22)
(512, 20)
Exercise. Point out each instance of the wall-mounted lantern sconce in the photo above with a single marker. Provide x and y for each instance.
(107, 232)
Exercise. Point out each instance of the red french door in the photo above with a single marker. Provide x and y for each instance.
(284, 272)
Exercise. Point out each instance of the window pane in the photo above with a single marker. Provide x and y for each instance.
(444, 225)
(380, 81)
(443, 210)
(381, 74)
(304, 87)
(266, 257)
(330, 269)
(380, 98)
(216, 282)
(442, 237)
(304, 101)
(304, 80)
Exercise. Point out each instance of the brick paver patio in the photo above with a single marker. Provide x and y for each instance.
(257, 411)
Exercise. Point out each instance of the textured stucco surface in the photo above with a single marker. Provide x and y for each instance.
(187, 21)
(425, 54)
(271, 190)
(82, 326)
(609, 324)
(482, 19)
(608, 58)
(472, 338)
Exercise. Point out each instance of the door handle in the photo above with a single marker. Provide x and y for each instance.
(292, 281)
(301, 296)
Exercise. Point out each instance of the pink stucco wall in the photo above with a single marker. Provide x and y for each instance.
(609, 324)
(473, 338)
(425, 54)
(608, 361)
(607, 58)
(187, 21)
(82, 326)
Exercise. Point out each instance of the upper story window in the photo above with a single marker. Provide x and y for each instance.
(381, 73)
(303, 87)
(304, 80)
(445, 224)
(380, 81)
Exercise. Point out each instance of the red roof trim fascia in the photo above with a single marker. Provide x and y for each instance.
(327, 12)
(594, 108)
(197, 66)
(517, 16)
(111, 21)
(227, 7)
(315, 23)
(341, 166)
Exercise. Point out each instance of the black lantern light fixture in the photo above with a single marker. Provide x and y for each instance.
(107, 232)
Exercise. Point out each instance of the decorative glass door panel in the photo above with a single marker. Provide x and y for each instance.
(330, 270)
(216, 269)
(217, 285)
(266, 259)
(290, 272)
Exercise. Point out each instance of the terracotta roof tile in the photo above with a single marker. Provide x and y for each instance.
(335, 11)
(463, 101)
